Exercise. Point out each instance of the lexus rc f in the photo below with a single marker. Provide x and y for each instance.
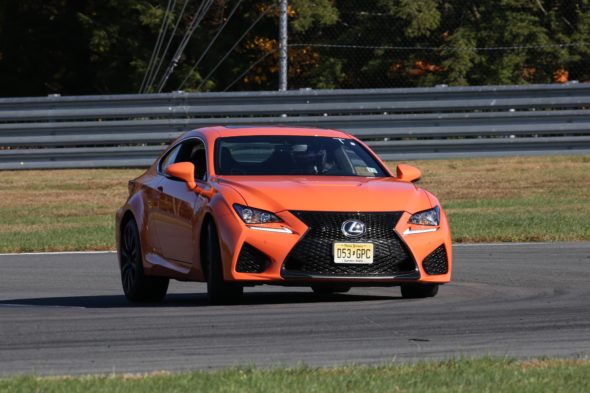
(244, 206)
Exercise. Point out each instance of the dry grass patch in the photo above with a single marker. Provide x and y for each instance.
(487, 199)
(506, 178)
(61, 209)
(512, 198)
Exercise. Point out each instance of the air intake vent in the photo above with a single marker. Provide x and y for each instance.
(436, 261)
(251, 260)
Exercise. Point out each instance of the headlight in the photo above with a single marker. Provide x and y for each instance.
(427, 217)
(255, 216)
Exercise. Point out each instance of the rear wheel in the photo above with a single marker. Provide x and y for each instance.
(136, 285)
(329, 289)
(417, 291)
(218, 290)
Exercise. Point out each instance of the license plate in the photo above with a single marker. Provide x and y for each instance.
(353, 253)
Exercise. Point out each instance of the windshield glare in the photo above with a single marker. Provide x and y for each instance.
(294, 155)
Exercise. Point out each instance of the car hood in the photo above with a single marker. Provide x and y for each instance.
(326, 193)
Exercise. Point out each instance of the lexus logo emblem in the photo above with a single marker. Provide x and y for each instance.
(353, 228)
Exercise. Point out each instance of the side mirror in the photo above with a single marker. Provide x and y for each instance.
(408, 173)
(186, 171)
(183, 171)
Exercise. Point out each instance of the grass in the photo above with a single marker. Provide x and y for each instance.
(513, 199)
(61, 209)
(487, 199)
(480, 376)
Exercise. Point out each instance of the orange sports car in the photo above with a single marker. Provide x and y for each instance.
(244, 206)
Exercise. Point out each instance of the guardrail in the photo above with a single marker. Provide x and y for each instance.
(131, 130)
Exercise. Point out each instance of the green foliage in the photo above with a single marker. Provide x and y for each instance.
(308, 13)
(458, 57)
(100, 46)
(328, 74)
(461, 42)
(421, 17)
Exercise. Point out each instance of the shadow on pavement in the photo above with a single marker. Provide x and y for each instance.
(188, 300)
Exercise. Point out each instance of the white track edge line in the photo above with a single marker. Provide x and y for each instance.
(506, 244)
(58, 253)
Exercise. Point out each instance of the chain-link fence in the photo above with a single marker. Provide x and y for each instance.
(150, 46)
(408, 43)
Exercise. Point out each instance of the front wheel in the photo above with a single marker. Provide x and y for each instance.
(418, 291)
(218, 290)
(136, 285)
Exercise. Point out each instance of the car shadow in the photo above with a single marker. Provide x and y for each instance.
(189, 300)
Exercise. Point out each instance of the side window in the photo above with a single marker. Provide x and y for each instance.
(199, 159)
(191, 150)
(170, 158)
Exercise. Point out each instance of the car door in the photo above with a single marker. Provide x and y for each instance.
(178, 206)
(151, 200)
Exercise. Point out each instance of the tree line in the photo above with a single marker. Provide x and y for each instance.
(73, 47)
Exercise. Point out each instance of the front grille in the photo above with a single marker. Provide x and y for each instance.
(251, 260)
(436, 261)
(313, 254)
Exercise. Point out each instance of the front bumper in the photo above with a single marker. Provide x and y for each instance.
(304, 253)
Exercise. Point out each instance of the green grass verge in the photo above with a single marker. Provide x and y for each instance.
(513, 199)
(482, 375)
(61, 209)
(487, 199)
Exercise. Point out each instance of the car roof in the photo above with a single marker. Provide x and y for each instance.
(223, 131)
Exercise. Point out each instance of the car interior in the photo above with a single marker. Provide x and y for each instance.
(191, 150)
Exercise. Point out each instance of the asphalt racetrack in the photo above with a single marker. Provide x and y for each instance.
(65, 314)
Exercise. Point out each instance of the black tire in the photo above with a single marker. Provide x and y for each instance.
(330, 289)
(136, 285)
(218, 290)
(419, 291)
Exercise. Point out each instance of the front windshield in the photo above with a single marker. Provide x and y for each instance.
(294, 155)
